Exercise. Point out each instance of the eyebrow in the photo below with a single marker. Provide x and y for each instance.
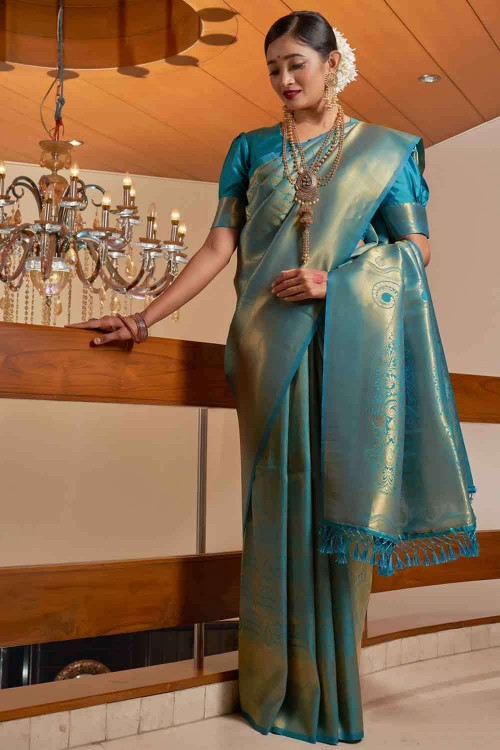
(285, 57)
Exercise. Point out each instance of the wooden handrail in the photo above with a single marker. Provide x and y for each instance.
(45, 362)
(44, 603)
(59, 364)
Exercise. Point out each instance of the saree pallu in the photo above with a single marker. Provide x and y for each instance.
(352, 452)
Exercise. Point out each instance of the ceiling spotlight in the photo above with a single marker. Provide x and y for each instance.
(429, 78)
(75, 142)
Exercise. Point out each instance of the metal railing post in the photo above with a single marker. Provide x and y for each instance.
(201, 522)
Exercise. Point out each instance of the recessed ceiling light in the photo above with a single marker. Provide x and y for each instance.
(74, 142)
(429, 78)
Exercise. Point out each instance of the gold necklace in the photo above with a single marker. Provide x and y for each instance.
(307, 180)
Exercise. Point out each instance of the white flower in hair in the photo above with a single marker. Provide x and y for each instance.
(346, 71)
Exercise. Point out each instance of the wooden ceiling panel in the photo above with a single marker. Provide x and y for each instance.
(488, 13)
(21, 121)
(100, 148)
(261, 15)
(120, 121)
(442, 28)
(392, 59)
(374, 107)
(195, 100)
(99, 33)
(23, 136)
(176, 118)
(242, 68)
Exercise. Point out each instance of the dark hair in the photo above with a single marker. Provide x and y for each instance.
(307, 26)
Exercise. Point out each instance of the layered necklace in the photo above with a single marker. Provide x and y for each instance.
(306, 180)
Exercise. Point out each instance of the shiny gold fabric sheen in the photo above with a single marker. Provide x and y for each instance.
(231, 211)
(377, 493)
(411, 215)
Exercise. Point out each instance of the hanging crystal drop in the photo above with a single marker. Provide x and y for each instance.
(115, 305)
(58, 306)
(102, 299)
(18, 218)
(70, 295)
(26, 298)
(130, 269)
(16, 319)
(96, 223)
(46, 311)
(71, 257)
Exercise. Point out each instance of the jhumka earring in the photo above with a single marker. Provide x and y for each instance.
(330, 95)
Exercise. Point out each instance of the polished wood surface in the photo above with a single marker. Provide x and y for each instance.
(98, 33)
(130, 118)
(477, 397)
(391, 633)
(59, 364)
(46, 603)
(51, 697)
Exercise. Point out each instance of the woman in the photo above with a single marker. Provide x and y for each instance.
(352, 453)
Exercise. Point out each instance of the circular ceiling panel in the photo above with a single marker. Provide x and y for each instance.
(97, 33)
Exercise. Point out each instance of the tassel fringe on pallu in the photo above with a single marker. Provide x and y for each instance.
(389, 554)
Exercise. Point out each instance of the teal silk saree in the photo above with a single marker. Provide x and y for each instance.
(352, 455)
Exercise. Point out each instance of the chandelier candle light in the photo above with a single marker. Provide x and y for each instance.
(48, 252)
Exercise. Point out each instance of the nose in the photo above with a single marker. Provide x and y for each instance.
(286, 78)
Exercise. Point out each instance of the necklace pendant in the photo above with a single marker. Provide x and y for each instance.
(306, 187)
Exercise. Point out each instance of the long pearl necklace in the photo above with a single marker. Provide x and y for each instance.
(307, 180)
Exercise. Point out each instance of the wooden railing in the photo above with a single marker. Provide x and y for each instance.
(45, 603)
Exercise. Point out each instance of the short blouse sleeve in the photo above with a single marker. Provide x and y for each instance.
(233, 185)
(403, 208)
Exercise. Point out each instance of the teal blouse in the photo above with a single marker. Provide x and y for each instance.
(401, 212)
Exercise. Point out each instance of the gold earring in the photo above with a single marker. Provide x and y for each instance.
(330, 95)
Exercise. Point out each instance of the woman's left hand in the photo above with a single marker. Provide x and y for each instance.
(296, 284)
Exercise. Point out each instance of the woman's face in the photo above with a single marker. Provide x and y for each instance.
(297, 72)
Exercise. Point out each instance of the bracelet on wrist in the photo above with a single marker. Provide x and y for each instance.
(142, 330)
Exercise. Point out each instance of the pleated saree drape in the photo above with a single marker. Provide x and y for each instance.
(301, 613)
(352, 453)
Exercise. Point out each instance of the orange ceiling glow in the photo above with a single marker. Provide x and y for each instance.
(161, 87)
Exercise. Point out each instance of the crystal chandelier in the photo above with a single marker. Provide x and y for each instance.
(48, 253)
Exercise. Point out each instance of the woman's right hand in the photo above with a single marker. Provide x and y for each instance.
(119, 331)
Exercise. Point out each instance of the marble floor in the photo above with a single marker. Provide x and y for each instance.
(452, 703)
